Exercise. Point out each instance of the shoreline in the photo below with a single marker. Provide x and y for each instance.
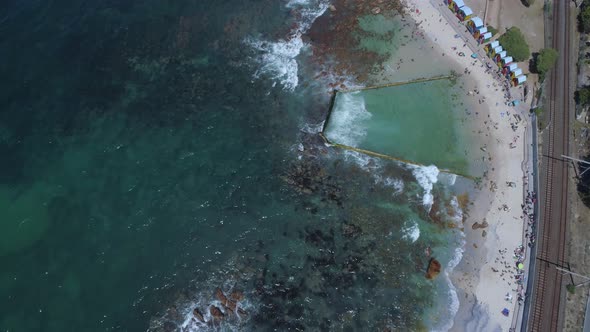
(486, 273)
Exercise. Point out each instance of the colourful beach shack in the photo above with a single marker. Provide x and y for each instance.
(518, 80)
(490, 47)
(505, 61)
(484, 37)
(455, 5)
(495, 51)
(514, 74)
(507, 70)
(474, 24)
(499, 56)
(464, 13)
(478, 32)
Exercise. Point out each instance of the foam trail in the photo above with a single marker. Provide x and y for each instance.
(278, 58)
(426, 176)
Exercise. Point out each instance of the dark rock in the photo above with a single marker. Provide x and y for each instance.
(433, 269)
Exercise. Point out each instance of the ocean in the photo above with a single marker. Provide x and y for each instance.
(162, 170)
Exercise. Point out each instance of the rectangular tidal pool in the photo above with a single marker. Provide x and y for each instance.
(421, 122)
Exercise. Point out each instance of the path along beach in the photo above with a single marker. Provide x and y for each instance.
(486, 278)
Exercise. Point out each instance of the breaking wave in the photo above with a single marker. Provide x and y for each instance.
(346, 123)
(426, 176)
(278, 58)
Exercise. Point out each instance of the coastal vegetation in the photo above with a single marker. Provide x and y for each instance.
(584, 17)
(582, 96)
(544, 61)
(584, 183)
(515, 44)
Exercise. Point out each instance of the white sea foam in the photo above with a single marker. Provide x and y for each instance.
(448, 179)
(278, 58)
(347, 120)
(426, 176)
(458, 216)
(396, 183)
(411, 231)
(312, 128)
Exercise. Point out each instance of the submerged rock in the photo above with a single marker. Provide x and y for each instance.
(198, 315)
(434, 269)
(216, 313)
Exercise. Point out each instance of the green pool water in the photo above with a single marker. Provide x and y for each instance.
(419, 122)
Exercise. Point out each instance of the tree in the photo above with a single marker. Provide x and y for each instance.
(545, 60)
(528, 2)
(582, 96)
(584, 18)
(515, 44)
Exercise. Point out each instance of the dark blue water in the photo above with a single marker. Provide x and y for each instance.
(143, 167)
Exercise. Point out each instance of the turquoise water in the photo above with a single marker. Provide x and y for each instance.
(419, 122)
(147, 159)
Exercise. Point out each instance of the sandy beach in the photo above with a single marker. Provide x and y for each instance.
(485, 279)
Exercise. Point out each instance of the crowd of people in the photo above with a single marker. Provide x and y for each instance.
(528, 214)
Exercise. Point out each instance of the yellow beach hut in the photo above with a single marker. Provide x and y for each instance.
(495, 51)
(478, 32)
(474, 24)
(489, 47)
(464, 13)
(507, 70)
(455, 5)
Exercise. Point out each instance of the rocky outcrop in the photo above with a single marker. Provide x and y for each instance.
(433, 269)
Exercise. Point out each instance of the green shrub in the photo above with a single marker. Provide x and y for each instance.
(545, 60)
(584, 19)
(582, 96)
(515, 44)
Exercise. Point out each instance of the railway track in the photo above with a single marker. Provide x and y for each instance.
(546, 313)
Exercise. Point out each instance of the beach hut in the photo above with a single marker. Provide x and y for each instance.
(478, 32)
(495, 51)
(499, 56)
(447, 2)
(474, 24)
(464, 13)
(489, 47)
(517, 72)
(505, 61)
(455, 5)
(507, 70)
(518, 80)
(484, 37)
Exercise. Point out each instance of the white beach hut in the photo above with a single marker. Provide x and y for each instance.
(516, 72)
(489, 47)
(474, 23)
(464, 13)
(484, 37)
(518, 80)
(507, 70)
